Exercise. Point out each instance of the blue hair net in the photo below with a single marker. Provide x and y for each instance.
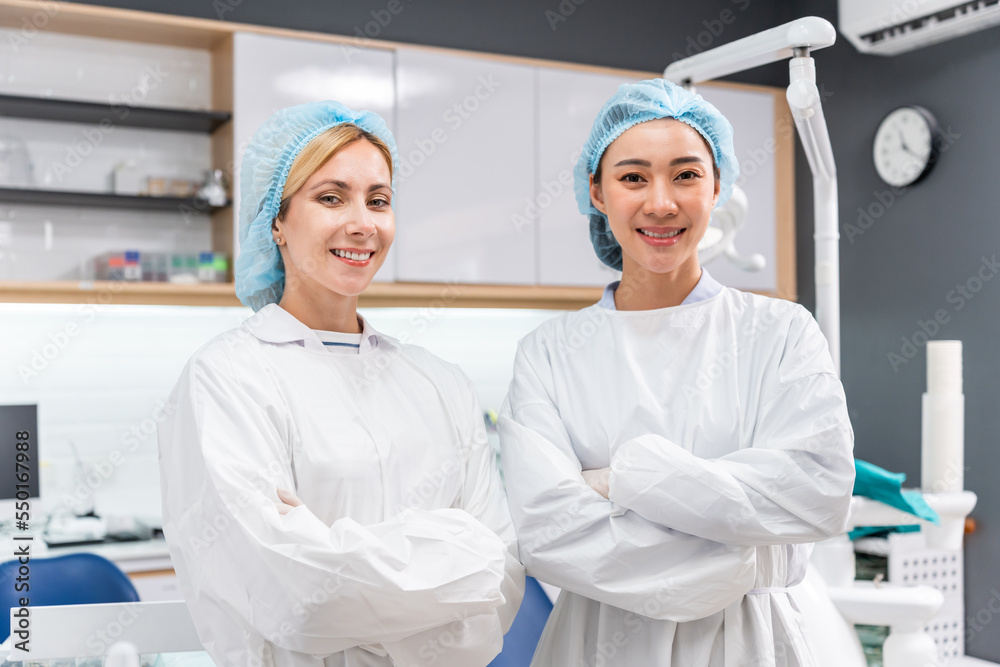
(636, 103)
(260, 274)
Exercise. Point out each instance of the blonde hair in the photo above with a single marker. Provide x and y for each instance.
(318, 151)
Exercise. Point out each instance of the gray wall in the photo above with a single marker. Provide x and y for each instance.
(901, 269)
(596, 32)
(896, 273)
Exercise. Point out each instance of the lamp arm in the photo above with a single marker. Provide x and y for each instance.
(810, 32)
(794, 40)
(806, 104)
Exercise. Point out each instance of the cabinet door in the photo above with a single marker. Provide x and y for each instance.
(568, 103)
(467, 164)
(270, 73)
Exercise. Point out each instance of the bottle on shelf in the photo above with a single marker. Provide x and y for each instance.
(221, 263)
(132, 270)
(179, 268)
(213, 189)
(206, 267)
(116, 267)
(128, 178)
(183, 269)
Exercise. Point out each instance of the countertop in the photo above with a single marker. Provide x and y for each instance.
(139, 556)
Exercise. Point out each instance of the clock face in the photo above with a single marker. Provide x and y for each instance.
(904, 146)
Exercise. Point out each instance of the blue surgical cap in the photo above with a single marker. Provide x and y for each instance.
(260, 274)
(636, 103)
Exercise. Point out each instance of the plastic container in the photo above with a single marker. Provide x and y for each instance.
(116, 267)
(161, 266)
(184, 269)
(132, 270)
(944, 367)
(206, 267)
(221, 263)
(127, 178)
(109, 266)
(146, 262)
(942, 449)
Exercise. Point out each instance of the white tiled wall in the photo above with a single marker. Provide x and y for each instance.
(98, 390)
(481, 341)
(78, 156)
(60, 243)
(51, 243)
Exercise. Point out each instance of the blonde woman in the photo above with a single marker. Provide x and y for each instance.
(671, 451)
(329, 494)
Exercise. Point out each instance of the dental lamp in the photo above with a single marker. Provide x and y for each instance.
(794, 40)
(905, 609)
(720, 236)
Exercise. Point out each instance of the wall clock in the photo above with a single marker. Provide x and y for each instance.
(906, 145)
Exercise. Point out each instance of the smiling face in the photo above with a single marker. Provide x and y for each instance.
(337, 227)
(657, 185)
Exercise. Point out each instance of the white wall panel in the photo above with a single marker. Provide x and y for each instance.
(568, 103)
(467, 146)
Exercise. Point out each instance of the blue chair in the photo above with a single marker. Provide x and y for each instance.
(72, 579)
(520, 642)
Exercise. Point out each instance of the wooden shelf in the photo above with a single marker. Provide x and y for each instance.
(76, 111)
(378, 295)
(434, 295)
(118, 293)
(44, 197)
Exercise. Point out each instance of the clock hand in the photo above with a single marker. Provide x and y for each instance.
(902, 142)
(906, 149)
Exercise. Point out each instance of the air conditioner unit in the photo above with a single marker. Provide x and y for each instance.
(888, 27)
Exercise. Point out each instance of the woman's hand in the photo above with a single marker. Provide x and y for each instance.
(598, 480)
(289, 501)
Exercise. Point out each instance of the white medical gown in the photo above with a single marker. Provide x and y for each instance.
(403, 552)
(730, 449)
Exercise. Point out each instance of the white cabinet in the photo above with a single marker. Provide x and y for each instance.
(466, 135)
(568, 103)
(487, 149)
(157, 586)
(270, 73)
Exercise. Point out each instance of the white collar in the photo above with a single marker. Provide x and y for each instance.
(705, 289)
(274, 324)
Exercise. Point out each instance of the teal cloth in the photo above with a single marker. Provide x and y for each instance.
(879, 484)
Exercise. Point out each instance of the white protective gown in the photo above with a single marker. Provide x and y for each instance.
(403, 552)
(730, 449)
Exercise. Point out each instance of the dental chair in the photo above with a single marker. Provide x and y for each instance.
(520, 642)
(80, 578)
(60, 632)
(93, 630)
(832, 601)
